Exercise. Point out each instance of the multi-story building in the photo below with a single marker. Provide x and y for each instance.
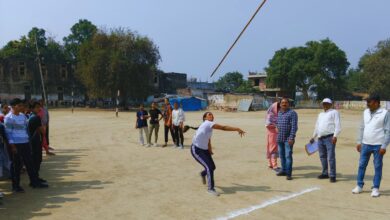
(22, 79)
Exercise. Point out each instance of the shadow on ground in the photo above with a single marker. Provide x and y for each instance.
(54, 169)
(245, 188)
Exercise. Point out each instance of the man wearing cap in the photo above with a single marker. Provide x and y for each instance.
(327, 129)
(374, 137)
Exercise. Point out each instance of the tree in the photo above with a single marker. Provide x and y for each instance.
(25, 48)
(81, 32)
(119, 59)
(229, 82)
(317, 63)
(356, 81)
(375, 67)
(246, 87)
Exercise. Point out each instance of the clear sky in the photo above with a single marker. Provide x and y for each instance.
(194, 35)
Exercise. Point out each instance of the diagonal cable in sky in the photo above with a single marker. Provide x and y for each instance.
(239, 36)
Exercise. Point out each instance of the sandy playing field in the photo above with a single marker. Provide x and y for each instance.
(101, 172)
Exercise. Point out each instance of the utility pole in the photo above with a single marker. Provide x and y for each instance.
(40, 71)
(117, 103)
(72, 99)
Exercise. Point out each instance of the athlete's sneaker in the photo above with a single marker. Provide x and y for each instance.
(181, 146)
(213, 192)
(357, 190)
(375, 192)
(155, 145)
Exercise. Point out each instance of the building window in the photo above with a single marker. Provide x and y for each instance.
(257, 82)
(22, 69)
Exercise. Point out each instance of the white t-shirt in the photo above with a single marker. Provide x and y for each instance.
(177, 116)
(203, 135)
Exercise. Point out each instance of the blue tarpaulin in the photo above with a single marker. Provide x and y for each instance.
(190, 103)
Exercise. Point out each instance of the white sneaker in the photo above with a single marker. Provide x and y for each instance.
(375, 192)
(357, 190)
(155, 145)
(142, 144)
(181, 147)
(213, 192)
(148, 145)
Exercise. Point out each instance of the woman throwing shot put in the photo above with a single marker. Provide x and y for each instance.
(201, 148)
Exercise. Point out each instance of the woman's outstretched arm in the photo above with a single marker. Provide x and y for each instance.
(229, 128)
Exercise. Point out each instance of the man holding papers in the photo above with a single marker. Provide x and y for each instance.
(327, 129)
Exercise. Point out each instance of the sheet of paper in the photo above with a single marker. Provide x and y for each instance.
(311, 148)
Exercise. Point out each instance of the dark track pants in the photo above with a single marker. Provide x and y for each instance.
(23, 155)
(168, 129)
(179, 138)
(36, 151)
(206, 160)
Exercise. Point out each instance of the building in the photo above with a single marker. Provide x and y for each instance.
(258, 81)
(21, 79)
(197, 89)
(169, 82)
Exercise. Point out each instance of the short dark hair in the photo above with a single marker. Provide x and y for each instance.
(34, 104)
(205, 114)
(285, 98)
(374, 97)
(16, 101)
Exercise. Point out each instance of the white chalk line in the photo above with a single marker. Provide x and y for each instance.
(269, 202)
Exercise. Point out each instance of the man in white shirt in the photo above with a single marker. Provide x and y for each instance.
(178, 119)
(327, 129)
(374, 137)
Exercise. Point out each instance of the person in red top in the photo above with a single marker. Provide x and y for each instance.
(4, 111)
(168, 122)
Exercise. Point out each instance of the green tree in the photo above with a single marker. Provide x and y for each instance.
(319, 63)
(356, 81)
(119, 59)
(229, 82)
(25, 48)
(375, 66)
(81, 32)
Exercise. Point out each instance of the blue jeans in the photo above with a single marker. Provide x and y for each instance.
(285, 154)
(327, 153)
(365, 154)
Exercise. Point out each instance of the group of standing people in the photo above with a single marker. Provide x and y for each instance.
(174, 119)
(23, 135)
(374, 137)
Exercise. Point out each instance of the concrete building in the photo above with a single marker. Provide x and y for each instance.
(197, 89)
(21, 79)
(258, 81)
(169, 82)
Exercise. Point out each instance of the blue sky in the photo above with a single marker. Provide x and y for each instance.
(193, 35)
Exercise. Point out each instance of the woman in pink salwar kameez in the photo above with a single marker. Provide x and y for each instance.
(272, 134)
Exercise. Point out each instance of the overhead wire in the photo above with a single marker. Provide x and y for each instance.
(239, 36)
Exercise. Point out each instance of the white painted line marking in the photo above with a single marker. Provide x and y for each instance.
(272, 201)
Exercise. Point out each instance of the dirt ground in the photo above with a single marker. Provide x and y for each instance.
(101, 172)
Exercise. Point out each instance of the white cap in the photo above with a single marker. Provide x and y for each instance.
(327, 100)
